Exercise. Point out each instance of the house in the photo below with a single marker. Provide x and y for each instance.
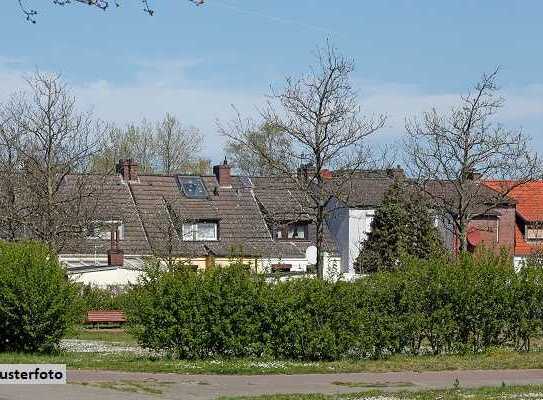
(204, 220)
(350, 219)
(526, 220)
(493, 227)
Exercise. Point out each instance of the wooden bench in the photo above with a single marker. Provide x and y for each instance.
(106, 317)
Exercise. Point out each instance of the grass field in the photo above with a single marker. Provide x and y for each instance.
(106, 335)
(497, 359)
(521, 392)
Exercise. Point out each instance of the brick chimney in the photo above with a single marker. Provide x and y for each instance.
(306, 172)
(128, 169)
(395, 173)
(115, 256)
(222, 172)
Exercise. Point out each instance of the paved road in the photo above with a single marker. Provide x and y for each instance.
(89, 385)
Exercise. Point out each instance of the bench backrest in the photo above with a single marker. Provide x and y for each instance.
(106, 316)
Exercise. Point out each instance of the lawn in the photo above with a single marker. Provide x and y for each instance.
(105, 335)
(124, 361)
(519, 392)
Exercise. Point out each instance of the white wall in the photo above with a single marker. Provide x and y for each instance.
(359, 227)
(350, 227)
(108, 277)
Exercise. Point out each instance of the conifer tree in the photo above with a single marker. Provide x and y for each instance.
(403, 226)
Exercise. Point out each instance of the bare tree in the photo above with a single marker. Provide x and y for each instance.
(451, 154)
(11, 210)
(249, 163)
(135, 141)
(177, 146)
(164, 147)
(320, 116)
(31, 13)
(52, 142)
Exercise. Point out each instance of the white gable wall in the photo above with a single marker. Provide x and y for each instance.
(359, 227)
(350, 227)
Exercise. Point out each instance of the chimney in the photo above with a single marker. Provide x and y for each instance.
(306, 172)
(395, 173)
(128, 169)
(327, 174)
(222, 172)
(115, 256)
(473, 175)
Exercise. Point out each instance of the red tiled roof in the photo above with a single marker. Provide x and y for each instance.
(529, 206)
(528, 197)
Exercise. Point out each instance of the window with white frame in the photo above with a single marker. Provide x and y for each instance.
(293, 231)
(200, 231)
(101, 230)
(534, 231)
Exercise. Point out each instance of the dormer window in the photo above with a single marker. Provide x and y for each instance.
(193, 187)
(294, 231)
(101, 230)
(534, 231)
(200, 231)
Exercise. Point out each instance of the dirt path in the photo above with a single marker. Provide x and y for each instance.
(118, 385)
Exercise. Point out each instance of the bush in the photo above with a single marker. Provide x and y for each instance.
(96, 298)
(440, 305)
(37, 301)
(191, 314)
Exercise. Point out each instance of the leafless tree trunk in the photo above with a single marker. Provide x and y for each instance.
(53, 145)
(320, 116)
(451, 154)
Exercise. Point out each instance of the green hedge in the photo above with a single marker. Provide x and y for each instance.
(442, 305)
(37, 301)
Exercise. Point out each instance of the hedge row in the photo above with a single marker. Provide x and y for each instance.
(440, 305)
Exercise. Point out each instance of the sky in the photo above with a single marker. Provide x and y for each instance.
(199, 62)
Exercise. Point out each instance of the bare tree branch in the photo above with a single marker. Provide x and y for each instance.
(31, 13)
(450, 154)
(321, 119)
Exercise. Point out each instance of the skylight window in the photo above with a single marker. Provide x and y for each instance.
(192, 187)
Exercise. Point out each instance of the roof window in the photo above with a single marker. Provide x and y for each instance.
(193, 187)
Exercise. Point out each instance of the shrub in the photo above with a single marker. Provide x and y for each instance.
(97, 298)
(439, 305)
(314, 320)
(191, 314)
(37, 301)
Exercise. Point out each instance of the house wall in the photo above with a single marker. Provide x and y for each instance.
(359, 228)
(497, 232)
(108, 277)
(350, 227)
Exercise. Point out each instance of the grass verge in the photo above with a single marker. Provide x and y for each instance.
(513, 392)
(496, 359)
(105, 335)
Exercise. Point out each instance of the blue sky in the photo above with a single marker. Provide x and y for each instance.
(197, 61)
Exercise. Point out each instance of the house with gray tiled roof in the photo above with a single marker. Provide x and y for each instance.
(350, 220)
(206, 220)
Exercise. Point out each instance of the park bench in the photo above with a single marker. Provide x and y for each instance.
(105, 317)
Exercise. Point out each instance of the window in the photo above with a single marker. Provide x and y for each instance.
(534, 231)
(296, 231)
(192, 187)
(200, 231)
(102, 229)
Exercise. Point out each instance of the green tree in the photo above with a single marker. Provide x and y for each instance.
(403, 226)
